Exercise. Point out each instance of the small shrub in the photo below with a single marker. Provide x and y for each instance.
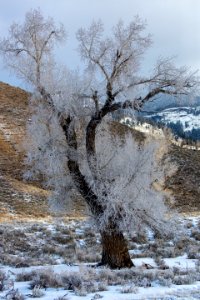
(182, 244)
(80, 292)
(49, 249)
(129, 289)
(25, 276)
(102, 286)
(198, 224)
(197, 265)
(144, 282)
(161, 263)
(185, 279)
(22, 264)
(85, 255)
(139, 238)
(37, 227)
(109, 276)
(37, 292)
(196, 235)
(89, 233)
(45, 279)
(126, 274)
(63, 239)
(63, 229)
(178, 271)
(90, 287)
(97, 296)
(14, 295)
(3, 281)
(9, 259)
(167, 274)
(189, 225)
(165, 281)
(193, 252)
(71, 281)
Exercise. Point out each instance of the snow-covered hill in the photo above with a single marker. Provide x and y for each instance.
(189, 117)
(183, 121)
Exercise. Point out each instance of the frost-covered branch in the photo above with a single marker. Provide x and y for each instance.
(30, 46)
(72, 141)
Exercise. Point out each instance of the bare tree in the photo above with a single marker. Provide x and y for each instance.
(28, 50)
(71, 137)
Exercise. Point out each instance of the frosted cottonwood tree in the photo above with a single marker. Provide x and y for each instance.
(71, 137)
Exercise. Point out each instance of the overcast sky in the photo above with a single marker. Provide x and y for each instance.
(174, 25)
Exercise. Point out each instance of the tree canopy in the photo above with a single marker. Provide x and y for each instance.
(70, 137)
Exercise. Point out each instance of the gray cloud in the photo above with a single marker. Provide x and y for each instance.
(174, 24)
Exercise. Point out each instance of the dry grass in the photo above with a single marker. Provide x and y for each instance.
(18, 200)
(26, 244)
(120, 130)
(185, 183)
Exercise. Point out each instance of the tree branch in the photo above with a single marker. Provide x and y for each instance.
(80, 182)
(79, 179)
(46, 42)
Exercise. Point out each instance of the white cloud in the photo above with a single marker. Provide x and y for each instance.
(174, 24)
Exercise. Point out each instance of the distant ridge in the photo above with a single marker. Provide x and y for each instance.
(184, 121)
(166, 101)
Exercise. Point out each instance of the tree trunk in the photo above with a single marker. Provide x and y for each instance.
(114, 250)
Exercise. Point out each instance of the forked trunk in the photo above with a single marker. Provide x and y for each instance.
(114, 247)
(115, 251)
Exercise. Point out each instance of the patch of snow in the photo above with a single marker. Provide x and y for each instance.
(139, 262)
(182, 262)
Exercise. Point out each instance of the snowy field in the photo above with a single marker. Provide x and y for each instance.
(56, 261)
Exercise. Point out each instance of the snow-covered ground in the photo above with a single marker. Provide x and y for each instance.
(113, 292)
(56, 262)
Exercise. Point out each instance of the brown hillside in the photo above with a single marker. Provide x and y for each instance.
(185, 183)
(18, 198)
(13, 115)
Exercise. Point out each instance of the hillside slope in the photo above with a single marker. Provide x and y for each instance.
(185, 183)
(188, 116)
(183, 121)
(16, 197)
(19, 199)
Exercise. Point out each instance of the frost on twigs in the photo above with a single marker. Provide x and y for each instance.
(30, 45)
(128, 170)
(126, 177)
(70, 146)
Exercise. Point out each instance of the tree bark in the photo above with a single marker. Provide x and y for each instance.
(114, 250)
(114, 247)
